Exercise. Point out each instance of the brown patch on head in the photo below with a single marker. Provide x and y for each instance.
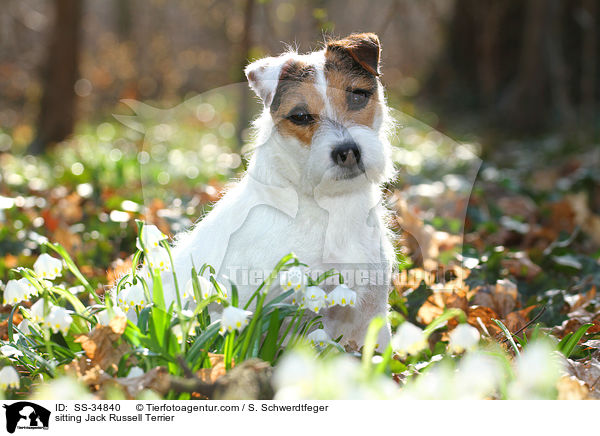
(362, 48)
(351, 70)
(296, 91)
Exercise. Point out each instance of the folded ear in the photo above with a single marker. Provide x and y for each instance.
(263, 77)
(364, 48)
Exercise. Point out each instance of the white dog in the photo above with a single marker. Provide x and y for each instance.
(313, 186)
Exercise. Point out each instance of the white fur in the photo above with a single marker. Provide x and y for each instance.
(291, 201)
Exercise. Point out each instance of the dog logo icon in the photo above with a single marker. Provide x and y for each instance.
(26, 415)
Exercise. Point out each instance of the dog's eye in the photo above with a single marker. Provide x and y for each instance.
(357, 98)
(300, 117)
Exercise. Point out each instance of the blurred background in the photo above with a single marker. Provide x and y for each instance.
(514, 67)
(515, 84)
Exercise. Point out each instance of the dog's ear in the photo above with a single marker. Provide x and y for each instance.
(263, 77)
(364, 48)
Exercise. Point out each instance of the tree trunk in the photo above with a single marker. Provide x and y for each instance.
(57, 108)
(246, 44)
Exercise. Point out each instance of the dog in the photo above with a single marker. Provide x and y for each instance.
(313, 185)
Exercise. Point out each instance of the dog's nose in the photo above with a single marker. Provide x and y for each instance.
(346, 154)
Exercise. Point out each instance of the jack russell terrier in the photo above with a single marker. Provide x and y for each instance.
(313, 186)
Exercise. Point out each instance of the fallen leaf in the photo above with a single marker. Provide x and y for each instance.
(502, 298)
(518, 319)
(520, 265)
(571, 388)
(588, 372)
(100, 345)
(217, 369)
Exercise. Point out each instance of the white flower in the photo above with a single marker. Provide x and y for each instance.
(37, 310)
(62, 388)
(314, 298)
(319, 338)
(132, 296)
(463, 337)
(537, 370)
(178, 331)
(18, 290)
(293, 278)
(158, 258)
(48, 267)
(76, 289)
(151, 237)
(58, 319)
(24, 327)
(135, 371)
(105, 317)
(234, 318)
(342, 295)
(207, 289)
(9, 378)
(10, 351)
(478, 376)
(409, 339)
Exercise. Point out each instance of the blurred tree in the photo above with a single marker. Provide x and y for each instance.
(525, 65)
(244, 53)
(57, 108)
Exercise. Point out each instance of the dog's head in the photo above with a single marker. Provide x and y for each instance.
(326, 113)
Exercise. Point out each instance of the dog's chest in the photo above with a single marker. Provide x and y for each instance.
(319, 237)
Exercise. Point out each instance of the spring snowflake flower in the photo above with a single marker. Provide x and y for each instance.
(342, 295)
(58, 320)
(158, 258)
(314, 298)
(132, 296)
(207, 289)
(293, 278)
(9, 378)
(319, 338)
(104, 317)
(178, 330)
(463, 337)
(234, 318)
(537, 370)
(25, 327)
(10, 351)
(150, 237)
(18, 290)
(48, 267)
(409, 339)
(37, 310)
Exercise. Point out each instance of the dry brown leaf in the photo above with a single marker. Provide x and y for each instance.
(584, 217)
(424, 241)
(578, 318)
(588, 372)
(436, 303)
(520, 265)
(502, 299)
(100, 345)
(217, 370)
(482, 318)
(571, 388)
(583, 299)
(157, 379)
(518, 319)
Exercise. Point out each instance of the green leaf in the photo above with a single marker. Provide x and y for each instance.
(508, 335)
(269, 346)
(574, 339)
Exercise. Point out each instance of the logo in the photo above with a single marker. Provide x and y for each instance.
(26, 415)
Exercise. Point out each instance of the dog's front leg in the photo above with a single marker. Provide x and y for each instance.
(352, 322)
